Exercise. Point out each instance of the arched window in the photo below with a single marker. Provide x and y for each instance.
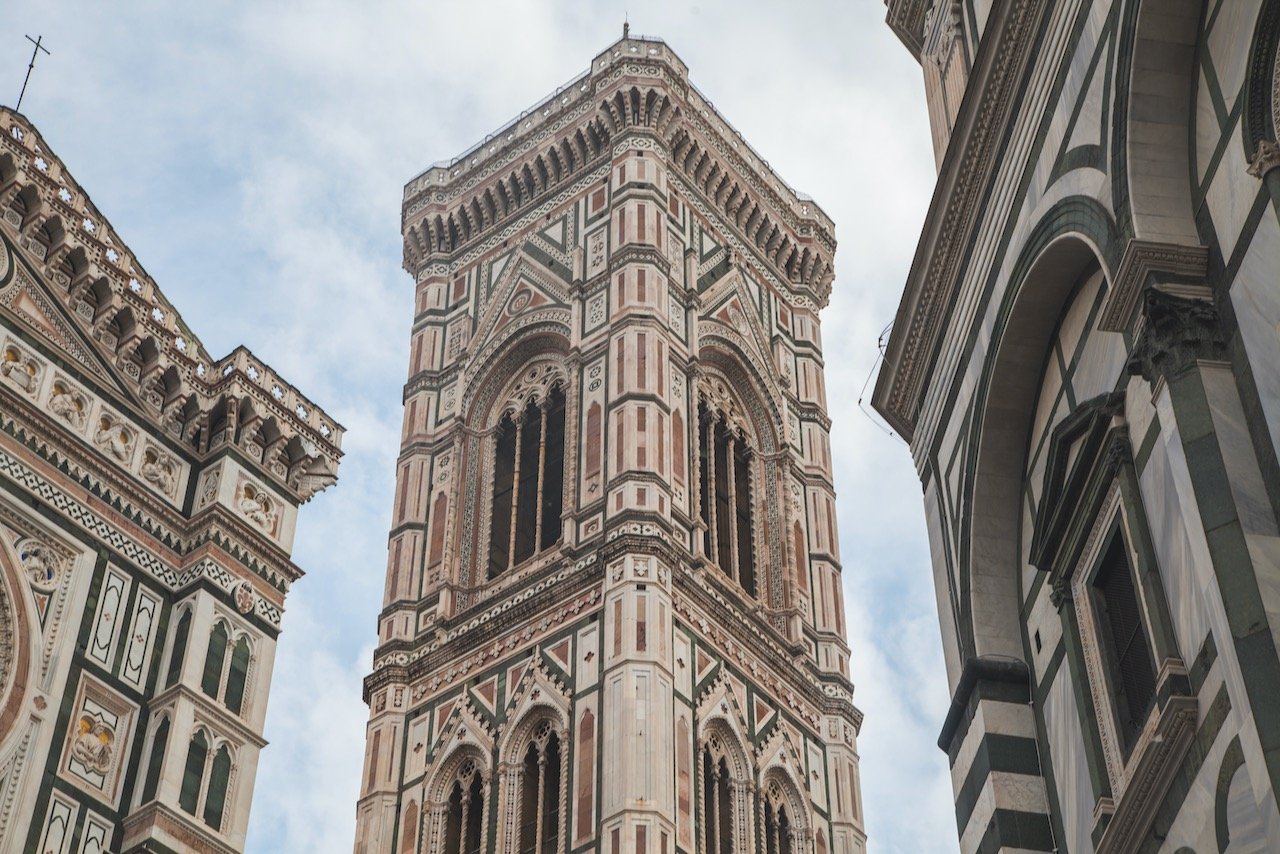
(717, 804)
(179, 648)
(226, 677)
(214, 658)
(193, 773)
(777, 823)
(215, 798)
(464, 811)
(205, 784)
(540, 793)
(155, 761)
(726, 494)
(236, 676)
(528, 482)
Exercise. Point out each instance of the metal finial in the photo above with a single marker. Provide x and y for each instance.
(34, 53)
(626, 26)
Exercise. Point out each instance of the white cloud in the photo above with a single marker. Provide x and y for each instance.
(253, 156)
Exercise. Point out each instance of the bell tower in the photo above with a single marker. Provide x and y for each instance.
(613, 617)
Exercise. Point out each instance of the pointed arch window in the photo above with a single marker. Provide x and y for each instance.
(717, 804)
(528, 482)
(778, 827)
(155, 761)
(179, 650)
(464, 811)
(226, 676)
(205, 784)
(726, 497)
(540, 793)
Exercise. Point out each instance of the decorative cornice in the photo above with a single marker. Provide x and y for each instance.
(1143, 259)
(88, 269)
(1176, 334)
(906, 19)
(968, 168)
(635, 95)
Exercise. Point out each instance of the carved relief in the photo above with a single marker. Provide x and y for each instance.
(159, 469)
(21, 369)
(68, 404)
(114, 438)
(43, 564)
(93, 744)
(257, 506)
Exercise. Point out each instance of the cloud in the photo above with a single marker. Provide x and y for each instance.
(253, 156)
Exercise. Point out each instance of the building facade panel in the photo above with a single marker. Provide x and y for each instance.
(1081, 367)
(613, 641)
(148, 495)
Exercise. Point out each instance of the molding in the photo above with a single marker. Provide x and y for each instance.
(906, 19)
(968, 168)
(981, 669)
(1142, 260)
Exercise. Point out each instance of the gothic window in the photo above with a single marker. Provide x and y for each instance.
(717, 804)
(179, 649)
(226, 666)
(409, 836)
(540, 793)
(155, 760)
(777, 823)
(726, 496)
(464, 811)
(205, 783)
(528, 483)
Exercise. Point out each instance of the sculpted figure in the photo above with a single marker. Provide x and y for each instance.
(114, 438)
(42, 565)
(21, 370)
(257, 507)
(159, 471)
(67, 405)
(93, 745)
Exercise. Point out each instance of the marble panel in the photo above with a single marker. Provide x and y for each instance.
(1070, 768)
(1076, 316)
(1101, 361)
(1229, 42)
(1207, 130)
(1231, 194)
(1256, 301)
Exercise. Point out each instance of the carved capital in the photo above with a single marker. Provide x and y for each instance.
(1266, 158)
(1177, 333)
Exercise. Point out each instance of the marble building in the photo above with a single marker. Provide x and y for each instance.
(148, 499)
(613, 619)
(1086, 364)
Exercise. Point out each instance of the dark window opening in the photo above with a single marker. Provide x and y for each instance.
(725, 497)
(528, 485)
(1127, 649)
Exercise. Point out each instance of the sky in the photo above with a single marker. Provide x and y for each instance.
(253, 157)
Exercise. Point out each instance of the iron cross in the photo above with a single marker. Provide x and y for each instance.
(34, 53)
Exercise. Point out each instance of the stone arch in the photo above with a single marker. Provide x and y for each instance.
(457, 766)
(539, 721)
(722, 747)
(1042, 284)
(778, 788)
(1157, 103)
(15, 631)
(1262, 108)
(495, 383)
(730, 381)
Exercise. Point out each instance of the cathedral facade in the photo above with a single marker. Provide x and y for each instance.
(148, 497)
(613, 617)
(1087, 367)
